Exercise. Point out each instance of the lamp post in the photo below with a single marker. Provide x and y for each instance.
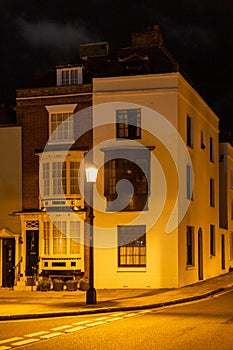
(91, 174)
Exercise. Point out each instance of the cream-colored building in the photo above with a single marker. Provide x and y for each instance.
(10, 200)
(154, 258)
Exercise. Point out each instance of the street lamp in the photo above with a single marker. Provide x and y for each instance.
(91, 174)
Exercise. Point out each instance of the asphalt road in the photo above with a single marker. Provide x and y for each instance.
(201, 325)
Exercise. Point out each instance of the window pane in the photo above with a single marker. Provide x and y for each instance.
(46, 237)
(74, 177)
(65, 131)
(190, 245)
(59, 237)
(74, 237)
(59, 177)
(128, 123)
(46, 178)
(132, 245)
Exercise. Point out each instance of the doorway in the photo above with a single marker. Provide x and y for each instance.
(32, 252)
(8, 263)
(200, 255)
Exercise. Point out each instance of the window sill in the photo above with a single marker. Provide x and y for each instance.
(212, 256)
(131, 269)
(190, 267)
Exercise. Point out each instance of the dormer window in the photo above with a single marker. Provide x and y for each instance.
(69, 76)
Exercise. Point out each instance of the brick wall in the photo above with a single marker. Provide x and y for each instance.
(33, 116)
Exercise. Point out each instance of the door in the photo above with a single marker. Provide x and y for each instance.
(32, 252)
(223, 252)
(200, 255)
(8, 264)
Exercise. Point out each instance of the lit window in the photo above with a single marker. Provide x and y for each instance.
(46, 237)
(69, 76)
(128, 123)
(59, 177)
(212, 149)
(212, 193)
(132, 246)
(59, 237)
(74, 237)
(190, 245)
(74, 177)
(46, 178)
(61, 127)
(212, 240)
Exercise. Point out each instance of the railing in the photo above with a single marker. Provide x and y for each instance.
(17, 269)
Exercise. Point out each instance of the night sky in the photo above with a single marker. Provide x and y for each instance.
(37, 35)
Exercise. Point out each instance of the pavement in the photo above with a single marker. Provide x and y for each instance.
(38, 304)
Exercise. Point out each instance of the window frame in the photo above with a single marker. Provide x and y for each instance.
(67, 76)
(189, 131)
(63, 180)
(212, 192)
(190, 244)
(212, 158)
(128, 251)
(212, 240)
(128, 123)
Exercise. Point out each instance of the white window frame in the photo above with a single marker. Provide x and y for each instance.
(69, 76)
(62, 178)
(64, 133)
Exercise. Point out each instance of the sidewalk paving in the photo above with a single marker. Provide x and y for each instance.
(36, 304)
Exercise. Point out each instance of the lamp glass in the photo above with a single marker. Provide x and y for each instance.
(91, 174)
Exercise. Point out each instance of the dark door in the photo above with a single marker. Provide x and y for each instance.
(223, 252)
(8, 273)
(32, 252)
(200, 255)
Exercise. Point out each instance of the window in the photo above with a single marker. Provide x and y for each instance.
(74, 177)
(189, 132)
(132, 246)
(69, 76)
(231, 245)
(123, 169)
(202, 140)
(65, 237)
(189, 182)
(74, 237)
(212, 240)
(212, 149)
(46, 237)
(46, 178)
(212, 193)
(61, 127)
(190, 245)
(128, 123)
(60, 178)
(59, 237)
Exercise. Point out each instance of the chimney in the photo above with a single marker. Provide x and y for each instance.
(152, 36)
